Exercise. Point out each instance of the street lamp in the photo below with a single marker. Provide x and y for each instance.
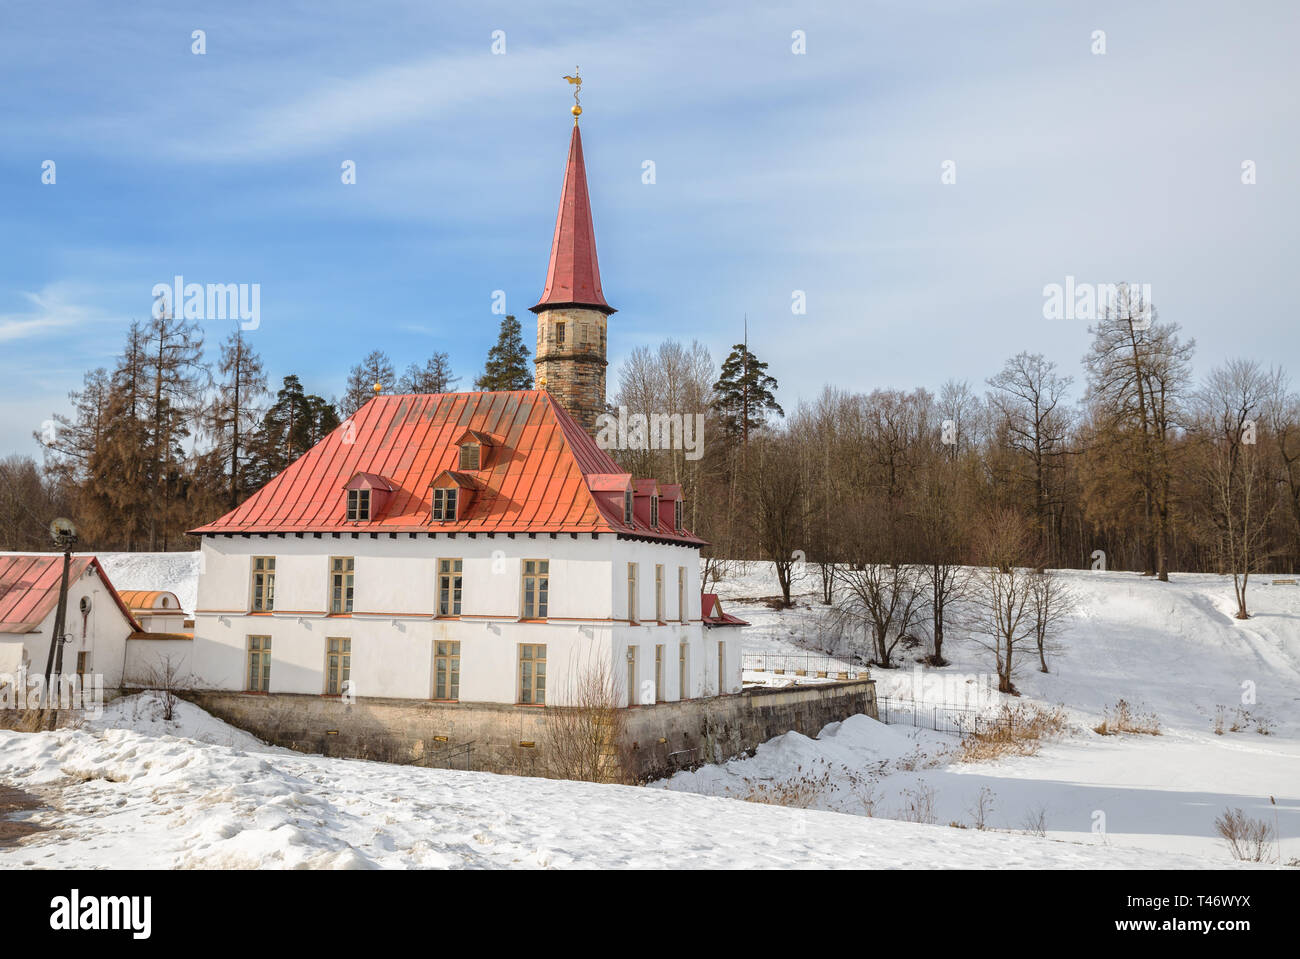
(64, 534)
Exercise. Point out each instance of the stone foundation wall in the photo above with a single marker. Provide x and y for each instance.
(660, 739)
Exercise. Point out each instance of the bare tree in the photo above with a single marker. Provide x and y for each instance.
(1003, 614)
(1052, 603)
(585, 735)
(1231, 410)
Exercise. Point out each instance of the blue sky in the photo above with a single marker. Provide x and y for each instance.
(775, 172)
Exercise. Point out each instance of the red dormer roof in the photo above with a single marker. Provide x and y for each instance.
(540, 479)
(573, 277)
(712, 615)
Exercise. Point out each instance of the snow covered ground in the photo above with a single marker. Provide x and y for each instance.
(212, 797)
(132, 790)
(1169, 649)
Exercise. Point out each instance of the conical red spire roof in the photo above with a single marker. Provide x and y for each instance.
(573, 277)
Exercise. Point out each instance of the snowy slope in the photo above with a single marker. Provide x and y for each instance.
(1171, 649)
(121, 798)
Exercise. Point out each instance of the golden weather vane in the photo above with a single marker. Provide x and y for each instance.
(576, 81)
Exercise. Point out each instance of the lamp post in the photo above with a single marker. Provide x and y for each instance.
(64, 534)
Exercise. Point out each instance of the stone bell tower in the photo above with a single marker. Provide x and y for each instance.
(572, 313)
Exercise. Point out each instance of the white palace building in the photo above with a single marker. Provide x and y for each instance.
(468, 547)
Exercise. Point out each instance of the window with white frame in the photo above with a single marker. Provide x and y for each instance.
(631, 593)
(659, 593)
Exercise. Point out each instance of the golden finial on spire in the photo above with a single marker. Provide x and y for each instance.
(576, 80)
(378, 387)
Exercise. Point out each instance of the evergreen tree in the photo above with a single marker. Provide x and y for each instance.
(744, 394)
(375, 368)
(507, 361)
(434, 377)
(296, 422)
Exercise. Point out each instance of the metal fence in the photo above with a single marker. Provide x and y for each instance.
(801, 665)
(941, 717)
(453, 756)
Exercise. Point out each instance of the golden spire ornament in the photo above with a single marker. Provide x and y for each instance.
(576, 81)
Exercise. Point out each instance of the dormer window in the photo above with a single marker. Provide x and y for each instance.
(677, 515)
(444, 504)
(475, 450)
(367, 495)
(654, 512)
(358, 504)
(627, 508)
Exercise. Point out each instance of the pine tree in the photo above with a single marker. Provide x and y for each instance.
(295, 422)
(507, 361)
(744, 394)
(434, 377)
(375, 368)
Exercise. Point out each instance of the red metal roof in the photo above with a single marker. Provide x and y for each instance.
(573, 277)
(29, 588)
(537, 482)
(712, 614)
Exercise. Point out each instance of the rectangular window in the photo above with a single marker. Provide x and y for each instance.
(446, 670)
(83, 667)
(338, 666)
(654, 512)
(537, 575)
(627, 508)
(358, 504)
(449, 585)
(532, 675)
(631, 676)
(683, 673)
(444, 504)
(263, 584)
(659, 593)
(677, 515)
(631, 592)
(681, 593)
(559, 335)
(341, 582)
(659, 674)
(259, 664)
(469, 456)
(722, 667)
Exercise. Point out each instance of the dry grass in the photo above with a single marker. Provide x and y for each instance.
(1122, 718)
(1249, 840)
(1018, 730)
(36, 720)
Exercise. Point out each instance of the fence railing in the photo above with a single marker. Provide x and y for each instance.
(801, 665)
(941, 717)
(455, 756)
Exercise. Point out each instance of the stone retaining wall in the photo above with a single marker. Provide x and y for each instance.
(660, 739)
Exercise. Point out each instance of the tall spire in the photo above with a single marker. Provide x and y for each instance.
(573, 277)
